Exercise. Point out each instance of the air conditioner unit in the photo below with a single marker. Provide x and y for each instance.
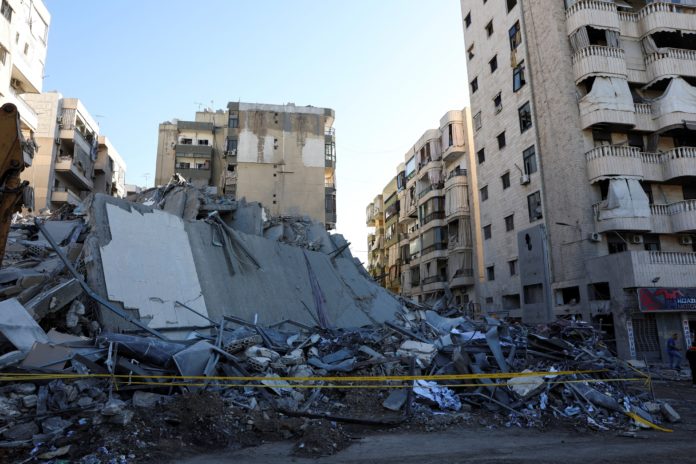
(524, 180)
(685, 240)
(595, 237)
(636, 239)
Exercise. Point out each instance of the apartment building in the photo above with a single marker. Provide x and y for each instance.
(72, 160)
(585, 157)
(422, 219)
(23, 44)
(283, 156)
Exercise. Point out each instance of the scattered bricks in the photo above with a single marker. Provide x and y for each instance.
(258, 363)
(293, 358)
(236, 346)
(424, 352)
(259, 351)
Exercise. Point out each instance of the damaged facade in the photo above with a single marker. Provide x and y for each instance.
(283, 156)
(422, 220)
(23, 45)
(586, 163)
(72, 160)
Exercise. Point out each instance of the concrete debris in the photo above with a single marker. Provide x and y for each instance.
(176, 300)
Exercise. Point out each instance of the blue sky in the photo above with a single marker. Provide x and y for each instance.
(390, 69)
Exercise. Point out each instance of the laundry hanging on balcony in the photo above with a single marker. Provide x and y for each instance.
(678, 97)
(625, 199)
(608, 93)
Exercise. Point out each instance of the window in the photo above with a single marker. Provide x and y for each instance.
(183, 165)
(487, 232)
(477, 121)
(651, 242)
(493, 64)
(26, 48)
(525, 115)
(467, 19)
(3, 54)
(450, 139)
(518, 77)
(202, 142)
(529, 160)
(498, 103)
(501, 140)
(484, 193)
(505, 179)
(689, 191)
(567, 296)
(234, 120)
(510, 223)
(186, 141)
(231, 145)
(616, 244)
(489, 300)
(489, 28)
(6, 10)
(534, 206)
(513, 267)
(490, 271)
(515, 36)
(470, 52)
(601, 137)
(474, 85)
(511, 4)
(481, 155)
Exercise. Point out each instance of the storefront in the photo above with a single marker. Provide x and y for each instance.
(662, 312)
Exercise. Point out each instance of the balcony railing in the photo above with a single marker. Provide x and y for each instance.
(600, 60)
(429, 189)
(591, 13)
(435, 247)
(456, 172)
(610, 161)
(434, 279)
(432, 217)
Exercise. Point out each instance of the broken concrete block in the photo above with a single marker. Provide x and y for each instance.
(525, 386)
(260, 351)
(21, 431)
(113, 407)
(258, 363)
(396, 399)
(24, 388)
(54, 425)
(143, 399)
(293, 358)
(17, 325)
(652, 407)
(85, 402)
(425, 352)
(30, 401)
(8, 408)
(669, 413)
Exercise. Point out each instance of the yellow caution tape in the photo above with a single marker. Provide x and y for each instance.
(637, 418)
(13, 377)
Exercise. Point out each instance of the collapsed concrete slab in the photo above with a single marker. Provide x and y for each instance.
(149, 261)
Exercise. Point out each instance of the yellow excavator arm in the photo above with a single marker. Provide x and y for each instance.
(15, 155)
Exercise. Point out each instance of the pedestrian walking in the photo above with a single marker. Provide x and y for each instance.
(673, 352)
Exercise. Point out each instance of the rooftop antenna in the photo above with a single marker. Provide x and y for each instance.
(199, 105)
(146, 176)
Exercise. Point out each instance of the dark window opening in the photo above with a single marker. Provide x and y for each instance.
(490, 272)
(481, 155)
(484, 193)
(498, 103)
(568, 296)
(616, 244)
(518, 79)
(489, 28)
(525, 116)
(515, 36)
(510, 223)
(493, 63)
(467, 19)
(487, 232)
(599, 291)
(474, 85)
(651, 242)
(512, 265)
(510, 5)
(534, 206)
(529, 160)
(511, 301)
(501, 140)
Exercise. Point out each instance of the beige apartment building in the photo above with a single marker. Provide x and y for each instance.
(585, 157)
(283, 156)
(23, 44)
(71, 160)
(422, 219)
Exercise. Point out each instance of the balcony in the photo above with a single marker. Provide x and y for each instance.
(610, 161)
(458, 177)
(74, 173)
(678, 217)
(199, 176)
(28, 117)
(590, 115)
(434, 283)
(193, 151)
(640, 268)
(599, 14)
(434, 216)
(75, 138)
(453, 152)
(432, 188)
(683, 214)
(596, 60)
(61, 195)
(656, 17)
(463, 278)
(674, 61)
(370, 215)
(438, 250)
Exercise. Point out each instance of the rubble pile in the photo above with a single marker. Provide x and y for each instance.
(129, 328)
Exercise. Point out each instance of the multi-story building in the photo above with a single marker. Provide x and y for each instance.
(23, 43)
(283, 156)
(586, 162)
(423, 222)
(71, 160)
